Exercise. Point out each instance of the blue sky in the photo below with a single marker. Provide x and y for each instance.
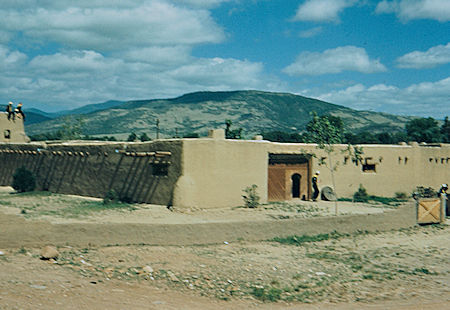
(380, 55)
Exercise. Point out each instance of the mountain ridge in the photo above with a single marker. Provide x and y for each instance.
(255, 111)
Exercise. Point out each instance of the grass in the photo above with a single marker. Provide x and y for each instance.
(299, 240)
(388, 201)
(85, 208)
(40, 203)
(267, 294)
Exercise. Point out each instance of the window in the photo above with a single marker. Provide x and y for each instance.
(369, 168)
(160, 169)
(7, 134)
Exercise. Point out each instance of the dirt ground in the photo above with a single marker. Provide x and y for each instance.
(399, 269)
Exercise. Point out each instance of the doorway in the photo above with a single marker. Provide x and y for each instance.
(296, 185)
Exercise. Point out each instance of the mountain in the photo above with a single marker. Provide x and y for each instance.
(254, 111)
(32, 115)
(89, 108)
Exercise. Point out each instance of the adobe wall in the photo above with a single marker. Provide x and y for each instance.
(41, 233)
(92, 169)
(14, 129)
(215, 171)
(398, 168)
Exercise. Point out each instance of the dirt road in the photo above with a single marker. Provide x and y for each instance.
(399, 269)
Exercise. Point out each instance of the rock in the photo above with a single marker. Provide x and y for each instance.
(172, 277)
(148, 269)
(49, 252)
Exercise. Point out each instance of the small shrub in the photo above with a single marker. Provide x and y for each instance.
(23, 180)
(111, 196)
(272, 294)
(401, 195)
(425, 192)
(251, 197)
(361, 195)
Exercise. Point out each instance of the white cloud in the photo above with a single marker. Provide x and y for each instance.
(220, 73)
(423, 99)
(416, 9)
(201, 3)
(114, 50)
(345, 58)
(435, 56)
(114, 28)
(163, 56)
(309, 33)
(70, 79)
(322, 10)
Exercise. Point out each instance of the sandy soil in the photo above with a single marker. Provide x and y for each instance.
(404, 269)
(51, 208)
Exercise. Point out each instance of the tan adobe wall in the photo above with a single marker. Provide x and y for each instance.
(14, 129)
(92, 169)
(212, 173)
(215, 171)
(398, 168)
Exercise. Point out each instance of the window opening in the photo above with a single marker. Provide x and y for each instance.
(7, 134)
(369, 168)
(159, 169)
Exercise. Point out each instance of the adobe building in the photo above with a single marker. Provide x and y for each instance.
(12, 130)
(212, 172)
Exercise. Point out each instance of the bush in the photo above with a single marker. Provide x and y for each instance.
(361, 195)
(424, 192)
(271, 294)
(23, 180)
(401, 195)
(111, 196)
(251, 197)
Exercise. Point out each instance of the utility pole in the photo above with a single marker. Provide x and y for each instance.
(157, 128)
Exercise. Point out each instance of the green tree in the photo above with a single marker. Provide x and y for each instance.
(232, 133)
(423, 130)
(281, 136)
(132, 137)
(326, 131)
(191, 135)
(144, 137)
(23, 180)
(445, 131)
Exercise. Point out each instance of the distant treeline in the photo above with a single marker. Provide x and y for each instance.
(419, 130)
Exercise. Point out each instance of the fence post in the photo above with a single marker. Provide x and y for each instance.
(443, 207)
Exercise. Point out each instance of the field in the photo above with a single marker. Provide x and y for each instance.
(397, 269)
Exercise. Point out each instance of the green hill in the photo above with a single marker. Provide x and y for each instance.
(254, 111)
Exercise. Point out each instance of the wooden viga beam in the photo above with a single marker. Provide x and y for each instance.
(150, 154)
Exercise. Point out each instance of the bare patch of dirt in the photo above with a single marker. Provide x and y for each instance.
(402, 269)
(362, 270)
(58, 208)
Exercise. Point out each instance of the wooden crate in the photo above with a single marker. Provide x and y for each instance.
(429, 211)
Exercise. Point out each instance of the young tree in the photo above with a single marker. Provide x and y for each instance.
(232, 133)
(326, 131)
